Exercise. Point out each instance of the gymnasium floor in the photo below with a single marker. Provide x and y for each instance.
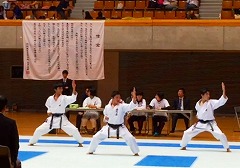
(61, 151)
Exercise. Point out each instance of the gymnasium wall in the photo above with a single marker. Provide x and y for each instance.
(154, 55)
(149, 71)
(168, 71)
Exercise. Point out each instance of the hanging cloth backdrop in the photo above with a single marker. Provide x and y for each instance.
(53, 46)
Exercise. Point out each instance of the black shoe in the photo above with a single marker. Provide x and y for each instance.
(172, 131)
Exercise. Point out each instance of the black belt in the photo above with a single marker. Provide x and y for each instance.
(205, 122)
(115, 127)
(56, 115)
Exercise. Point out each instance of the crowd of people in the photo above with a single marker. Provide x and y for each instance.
(64, 9)
(114, 117)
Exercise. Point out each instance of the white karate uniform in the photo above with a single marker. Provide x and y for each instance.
(116, 116)
(140, 106)
(206, 112)
(159, 105)
(57, 107)
(94, 101)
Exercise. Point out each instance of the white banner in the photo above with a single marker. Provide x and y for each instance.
(49, 47)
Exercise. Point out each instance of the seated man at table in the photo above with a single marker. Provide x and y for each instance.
(181, 103)
(140, 117)
(93, 102)
(159, 118)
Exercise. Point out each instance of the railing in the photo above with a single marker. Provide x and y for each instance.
(140, 22)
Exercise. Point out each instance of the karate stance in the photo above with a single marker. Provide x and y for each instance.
(114, 116)
(56, 105)
(206, 121)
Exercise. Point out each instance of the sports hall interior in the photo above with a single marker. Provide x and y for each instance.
(153, 55)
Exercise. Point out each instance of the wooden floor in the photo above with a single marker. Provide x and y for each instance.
(28, 121)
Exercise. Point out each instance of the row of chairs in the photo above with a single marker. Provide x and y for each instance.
(39, 13)
(227, 8)
(129, 5)
(227, 14)
(116, 14)
(226, 4)
(40, 4)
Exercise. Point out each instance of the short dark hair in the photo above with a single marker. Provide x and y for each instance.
(140, 93)
(3, 102)
(93, 91)
(131, 89)
(114, 93)
(160, 95)
(56, 85)
(183, 90)
(204, 90)
(65, 72)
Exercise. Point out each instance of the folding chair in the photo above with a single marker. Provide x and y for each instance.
(227, 5)
(108, 5)
(130, 5)
(148, 14)
(236, 4)
(5, 157)
(98, 5)
(137, 14)
(140, 5)
(237, 115)
(182, 5)
(227, 14)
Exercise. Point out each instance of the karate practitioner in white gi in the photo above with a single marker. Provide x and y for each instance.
(56, 105)
(206, 121)
(114, 116)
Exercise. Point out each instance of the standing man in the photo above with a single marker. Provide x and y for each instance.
(181, 103)
(206, 121)
(67, 83)
(62, 7)
(9, 133)
(114, 116)
(67, 87)
(56, 105)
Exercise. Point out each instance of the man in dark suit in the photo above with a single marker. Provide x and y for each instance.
(9, 133)
(67, 86)
(67, 83)
(181, 103)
